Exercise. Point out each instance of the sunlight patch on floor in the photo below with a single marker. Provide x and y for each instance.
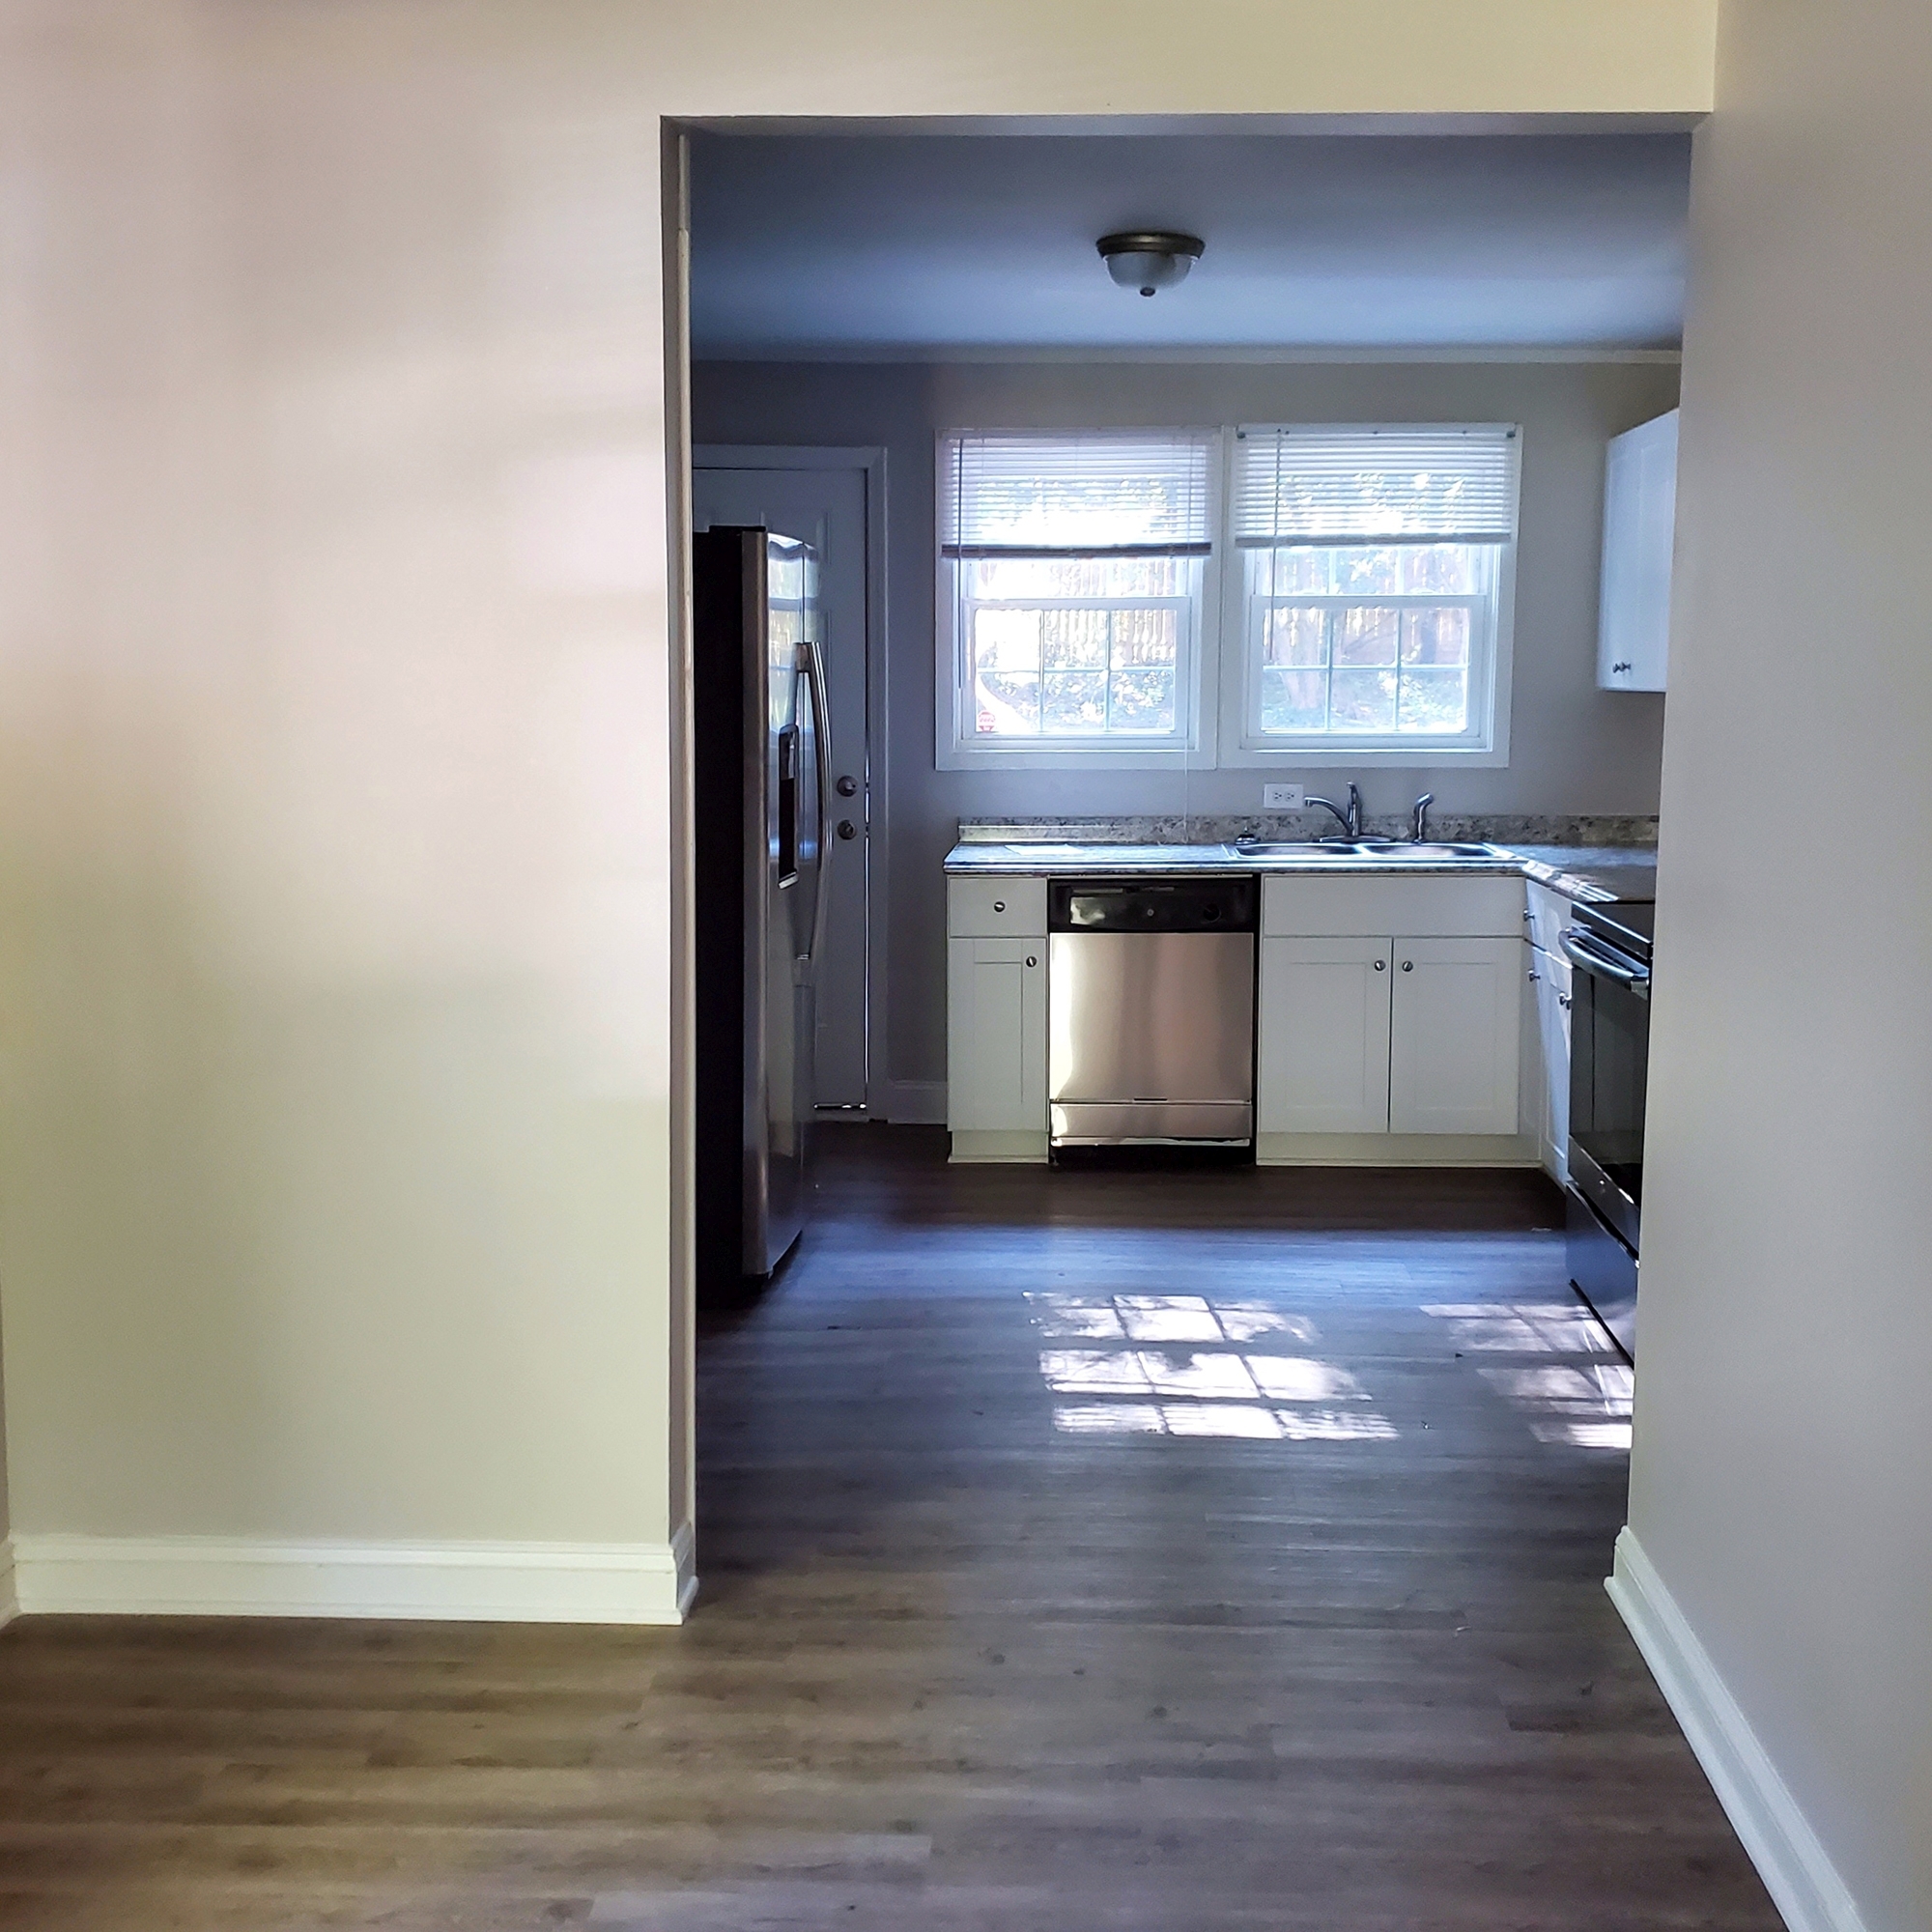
(1584, 1401)
(1200, 1392)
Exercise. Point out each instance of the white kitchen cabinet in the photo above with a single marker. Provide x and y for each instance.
(1380, 1048)
(1639, 528)
(1323, 1046)
(996, 1048)
(1549, 982)
(1455, 1026)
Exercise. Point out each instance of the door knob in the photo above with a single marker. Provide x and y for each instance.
(848, 787)
(847, 830)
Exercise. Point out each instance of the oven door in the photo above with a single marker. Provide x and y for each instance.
(1610, 1044)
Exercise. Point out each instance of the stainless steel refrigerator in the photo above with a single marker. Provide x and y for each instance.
(759, 767)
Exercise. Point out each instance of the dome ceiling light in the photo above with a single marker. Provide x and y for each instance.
(1152, 260)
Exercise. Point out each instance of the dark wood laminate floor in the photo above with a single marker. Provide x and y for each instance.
(1136, 1551)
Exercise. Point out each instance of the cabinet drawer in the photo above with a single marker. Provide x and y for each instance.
(996, 907)
(1295, 907)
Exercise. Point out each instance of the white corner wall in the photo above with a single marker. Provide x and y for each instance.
(1781, 1486)
(337, 1236)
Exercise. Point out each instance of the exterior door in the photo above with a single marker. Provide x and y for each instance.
(1324, 1037)
(825, 509)
(1454, 1031)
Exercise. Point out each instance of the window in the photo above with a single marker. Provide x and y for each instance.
(1375, 566)
(1073, 587)
(1362, 576)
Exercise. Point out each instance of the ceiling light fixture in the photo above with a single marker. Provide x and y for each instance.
(1151, 260)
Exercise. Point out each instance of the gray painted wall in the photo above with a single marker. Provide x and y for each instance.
(1573, 748)
(1783, 1439)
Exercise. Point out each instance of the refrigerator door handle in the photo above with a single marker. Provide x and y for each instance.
(821, 725)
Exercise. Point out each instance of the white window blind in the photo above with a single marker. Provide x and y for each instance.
(1339, 484)
(1139, 494)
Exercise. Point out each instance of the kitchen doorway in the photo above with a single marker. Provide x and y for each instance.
(834, 500)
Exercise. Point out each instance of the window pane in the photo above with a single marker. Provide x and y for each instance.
(1295, 701)
(1436, 637)
(1304, 568)
(1019, 579)
(1362, 572)
(1142, 700)
(1434, 701)
(1450, 567)
(1367, 636)
(1295, 636)
(1074, 703)
(1146, 638)
(1005, 704)
(1005, 639)
(1363, 701)
(1074, 639)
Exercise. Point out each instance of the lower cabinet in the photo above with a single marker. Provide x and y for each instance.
(996, 1048)
(1324, 1036)
(1550, 981)
(1455, 1025)
(1389, 1035)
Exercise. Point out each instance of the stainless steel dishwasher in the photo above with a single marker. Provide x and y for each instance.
(1151, 1000)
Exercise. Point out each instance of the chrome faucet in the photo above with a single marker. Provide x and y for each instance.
(1420, 833)
(1352, 818)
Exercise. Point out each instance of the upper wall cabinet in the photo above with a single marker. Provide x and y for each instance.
(1639, 523)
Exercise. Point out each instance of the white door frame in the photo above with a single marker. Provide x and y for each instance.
(871, 462)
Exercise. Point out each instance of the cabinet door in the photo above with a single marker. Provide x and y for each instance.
(996, 1034)
(1324, 1060)
(1454, 1029)
(1639, 530)
(1552, 1024)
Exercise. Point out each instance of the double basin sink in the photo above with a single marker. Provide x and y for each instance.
(1360, 848)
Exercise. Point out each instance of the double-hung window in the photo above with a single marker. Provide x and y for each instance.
(1376, 570)
(1076, 579)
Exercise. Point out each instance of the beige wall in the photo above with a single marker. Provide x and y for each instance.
(336, 872)
(1783, 1439)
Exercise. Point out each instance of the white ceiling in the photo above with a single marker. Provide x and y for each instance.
(865, 246)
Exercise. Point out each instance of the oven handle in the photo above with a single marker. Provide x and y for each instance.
(1578, 950)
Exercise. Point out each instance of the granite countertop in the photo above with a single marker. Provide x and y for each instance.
(1579, 871)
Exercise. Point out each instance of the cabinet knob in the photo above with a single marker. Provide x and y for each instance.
(1031, 960)
(848, 787)
(999, 906)
(1616, 668)
(1563, 1000)
(1381, 965)
(1534, 975)
(847, 830)
(1408, 965)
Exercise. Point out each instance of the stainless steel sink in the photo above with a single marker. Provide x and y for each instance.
(1395, 849)
(1409, 848)
(1291, 848)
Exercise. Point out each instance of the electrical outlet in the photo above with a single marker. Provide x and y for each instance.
(1283, 798)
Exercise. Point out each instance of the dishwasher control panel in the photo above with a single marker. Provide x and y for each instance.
(1152, 905)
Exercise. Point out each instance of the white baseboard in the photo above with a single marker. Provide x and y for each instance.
(917, 1102)
(1797, 1871)
(10, 1605)
(1395, 1151)
(493, 1582)
(1013, 1146)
